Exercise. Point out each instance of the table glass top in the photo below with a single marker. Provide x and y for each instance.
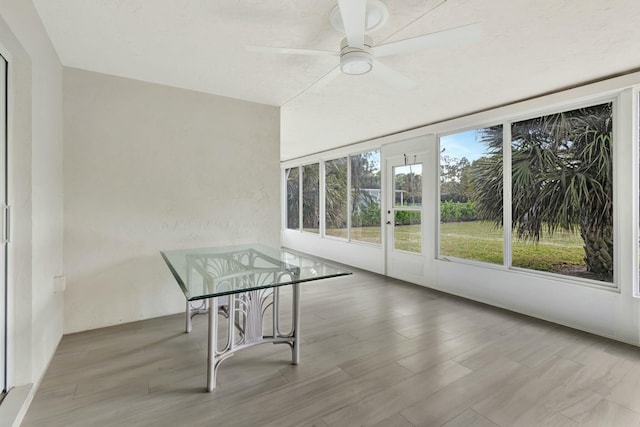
(209, 272)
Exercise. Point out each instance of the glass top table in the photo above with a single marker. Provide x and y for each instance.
(208, 272)
(243, 284)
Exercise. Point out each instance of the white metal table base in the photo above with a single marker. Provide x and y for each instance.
(245, 316)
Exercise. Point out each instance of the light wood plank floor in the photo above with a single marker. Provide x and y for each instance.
(375, 351)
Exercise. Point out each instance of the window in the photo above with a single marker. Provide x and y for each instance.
(365, 197)
(311, 198)
(336, 198)
(562, 193)
(471, 195)
(407, 190)
(293, 197)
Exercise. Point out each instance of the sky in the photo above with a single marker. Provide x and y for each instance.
(463, 144)
(411, 168)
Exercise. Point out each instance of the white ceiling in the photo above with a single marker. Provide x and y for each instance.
(528, 47)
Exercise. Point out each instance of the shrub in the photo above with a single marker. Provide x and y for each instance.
(407, 217)
(455, 211)
(367, 215)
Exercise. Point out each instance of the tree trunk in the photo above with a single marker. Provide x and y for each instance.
(598, 248)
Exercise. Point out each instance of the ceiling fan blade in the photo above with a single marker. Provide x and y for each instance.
(353, 14)
(392, 77)
(289, 51)
(319, 84)
(326, 79)
(452, 37)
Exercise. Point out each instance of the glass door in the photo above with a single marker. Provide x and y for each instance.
(405, 218)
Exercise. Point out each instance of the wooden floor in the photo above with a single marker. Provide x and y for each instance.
(375, 351)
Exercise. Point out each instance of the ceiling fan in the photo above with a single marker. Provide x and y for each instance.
(358, 55)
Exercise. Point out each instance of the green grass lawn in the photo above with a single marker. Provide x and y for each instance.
(478, 241)
(361, 234)
(408, 238)
(482, 241)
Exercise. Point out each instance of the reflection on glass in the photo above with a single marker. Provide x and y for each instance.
(311, 198)
(223, 270)
(407, 232)
(336, 197)
(365, 197)
(293, 197)
(407, 185)
(471, 195)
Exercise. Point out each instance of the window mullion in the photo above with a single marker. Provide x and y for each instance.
(349, 208)
(300, 197)
(322, 177)
(506, 193)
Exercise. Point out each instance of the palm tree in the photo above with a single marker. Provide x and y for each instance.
(311, 197)
(486, 177)
(293, 197)
(336, 193)
(365, 175)
(561, 171)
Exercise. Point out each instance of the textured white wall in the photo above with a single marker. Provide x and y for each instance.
(35, 190)
(147, 168)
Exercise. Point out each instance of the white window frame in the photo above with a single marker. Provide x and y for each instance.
(320, 164)
(505, 182)
(285, 192)
(323, 200)
(358, 153)
(614, 99)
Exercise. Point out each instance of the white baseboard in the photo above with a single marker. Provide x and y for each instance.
(15, 404)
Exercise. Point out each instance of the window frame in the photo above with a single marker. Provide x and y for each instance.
(452, 258)
(506, 121)
(323, 202)
(301, 202)
(286, 198)
(635, 249)
(350, 220)
(321, 162)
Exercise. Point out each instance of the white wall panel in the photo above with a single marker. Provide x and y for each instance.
(364, 256)
(570, 304)
(147, 168)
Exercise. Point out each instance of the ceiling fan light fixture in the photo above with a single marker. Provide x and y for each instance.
(356, 63)
(357, 51)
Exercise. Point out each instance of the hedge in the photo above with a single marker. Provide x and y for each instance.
(456, 212)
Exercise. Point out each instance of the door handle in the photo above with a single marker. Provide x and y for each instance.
(6, 226)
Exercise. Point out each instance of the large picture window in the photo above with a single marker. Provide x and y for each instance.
(562, 193)
(292, 177)
(365, 197)
(471, 195)
(311, 198)
(336, 197)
